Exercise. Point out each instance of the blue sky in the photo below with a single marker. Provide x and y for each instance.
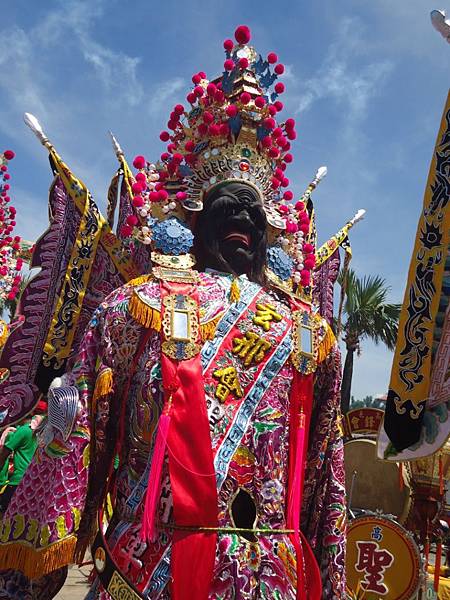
(366, 82)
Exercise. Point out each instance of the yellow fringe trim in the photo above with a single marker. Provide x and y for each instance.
(37, 563)
(235, 292)
(103, 384)
(326, 345)
(208, 330)
(145, 315)
(3, 333)
(140, 280)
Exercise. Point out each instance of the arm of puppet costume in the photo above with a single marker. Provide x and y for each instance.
(324, 511)
(94, 379)
(39, 529)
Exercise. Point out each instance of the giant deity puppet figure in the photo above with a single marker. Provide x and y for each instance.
(195, 439)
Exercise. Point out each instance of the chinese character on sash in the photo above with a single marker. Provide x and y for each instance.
(228, 383)
(265, 314)
(250, 347)
(373, 562)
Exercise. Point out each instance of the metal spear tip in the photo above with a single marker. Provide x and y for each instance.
(36, 128)
(321, 173)
(359, 215)
(440, 23)
(117, 149)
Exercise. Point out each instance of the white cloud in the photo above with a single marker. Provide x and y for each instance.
(342, 78)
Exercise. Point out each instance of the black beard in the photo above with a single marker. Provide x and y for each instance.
(230, 234)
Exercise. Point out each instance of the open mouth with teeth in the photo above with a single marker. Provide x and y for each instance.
(238, 236)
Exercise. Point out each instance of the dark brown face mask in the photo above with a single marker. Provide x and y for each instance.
(230, 232)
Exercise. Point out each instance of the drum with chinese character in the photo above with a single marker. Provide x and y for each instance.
(383, 561)
(374, 484)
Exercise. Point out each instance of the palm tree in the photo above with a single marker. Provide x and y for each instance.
(367, 315)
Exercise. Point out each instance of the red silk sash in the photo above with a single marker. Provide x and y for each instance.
(309, 583)
(191, 469)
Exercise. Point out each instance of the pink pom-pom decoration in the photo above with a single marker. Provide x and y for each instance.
(282, 141)
(177, 157)
(245, 98)
(290, 124)
(138, 201)
(139, 162)
(198, 91)
(275, 182)
(279, 69)
(178, 109)
(164, 136)
(288, 158)
(189, 146)
(272, 110)
(3, 168)
(231, 110)
(224, 129)
(304, 227)
(272, 58)
(277, 132)
(162, 195)
(202, 74)
(269, 123)
(283, 209)
(278, 105)
(243, 63)
(208, 117)
(202, 129)
(154, 197)
(191, 98)
(219, 97)
(181, 196)
(137, 187)
(288, 195)
(260, 101)
(300, 206)
(228, 45)
(279, 87)
(211, 89)
(291, 227)
(242, 34)
(196, 79)
(214, 129)
(132, 220)
(126, 230)
(273, 152)
(308, 248)
(292, 135)
(285, 182)
(228, 65)
(266, 141)
(142, 179)
(8, 154)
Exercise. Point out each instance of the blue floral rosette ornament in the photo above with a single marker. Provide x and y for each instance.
(172, 237)
(279, 262)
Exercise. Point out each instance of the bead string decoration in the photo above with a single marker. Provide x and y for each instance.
(10, 262)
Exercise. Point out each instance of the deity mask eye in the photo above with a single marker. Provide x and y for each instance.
(230, 232)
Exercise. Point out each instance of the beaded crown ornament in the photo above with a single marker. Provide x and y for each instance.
(231, 131)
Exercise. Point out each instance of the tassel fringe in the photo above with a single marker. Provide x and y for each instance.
(208, 330)
(152, 496)
(437, 566)
(140, 280)
(235, 292)
(144, 314)
(327, 344)
(103, 384)
(37, 563)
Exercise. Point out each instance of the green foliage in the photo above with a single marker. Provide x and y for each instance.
(368, 402)
(367, 314)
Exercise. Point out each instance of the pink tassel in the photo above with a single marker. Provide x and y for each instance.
(295, 500)
(148, 529)
(437, 566)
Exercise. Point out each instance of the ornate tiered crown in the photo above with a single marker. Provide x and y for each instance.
(230, 132)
